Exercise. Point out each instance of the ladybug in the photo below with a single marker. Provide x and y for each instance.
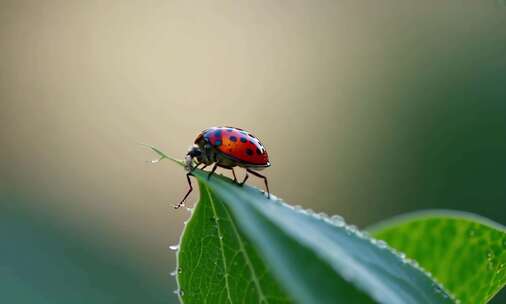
(226, 147)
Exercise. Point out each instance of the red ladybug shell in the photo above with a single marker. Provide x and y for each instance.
(238, 144)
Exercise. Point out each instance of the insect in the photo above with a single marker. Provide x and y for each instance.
(226, 147)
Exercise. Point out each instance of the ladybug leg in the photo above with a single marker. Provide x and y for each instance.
(233, 173)
(197, 166)
(187, 193)
(263, 177)
(244, 180)
(212, 171)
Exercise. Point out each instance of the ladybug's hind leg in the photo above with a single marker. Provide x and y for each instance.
(261, 176)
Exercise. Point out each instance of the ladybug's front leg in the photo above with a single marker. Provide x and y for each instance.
(187, 193)
(197, 167)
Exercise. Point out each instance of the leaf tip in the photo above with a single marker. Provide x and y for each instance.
(161, 154)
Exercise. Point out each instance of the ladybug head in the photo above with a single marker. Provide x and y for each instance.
(193, 152)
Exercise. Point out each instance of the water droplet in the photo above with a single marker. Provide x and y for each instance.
(174, 247)
(179, 270)
(337, 220)
(490, 256)
(179, 292)
(500, 268)
(323, 215)
(381, 244)
(221, 237)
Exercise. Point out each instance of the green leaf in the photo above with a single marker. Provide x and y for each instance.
(240, 247)
(465, 252)
(217, 264)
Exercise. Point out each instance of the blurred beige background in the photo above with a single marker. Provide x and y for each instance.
(354, 100)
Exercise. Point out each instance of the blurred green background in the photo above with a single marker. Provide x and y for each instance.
(368, 109)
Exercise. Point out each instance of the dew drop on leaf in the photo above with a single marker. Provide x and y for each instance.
(381, 244)
(174, 247)
(322, 215)
(337, 220)
(179, 292)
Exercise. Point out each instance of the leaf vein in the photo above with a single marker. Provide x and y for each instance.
(220, 238)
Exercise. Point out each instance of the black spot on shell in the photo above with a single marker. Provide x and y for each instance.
(217, 133)
(243, 139)
(233, 138)
(249, 152)
(217, 143)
